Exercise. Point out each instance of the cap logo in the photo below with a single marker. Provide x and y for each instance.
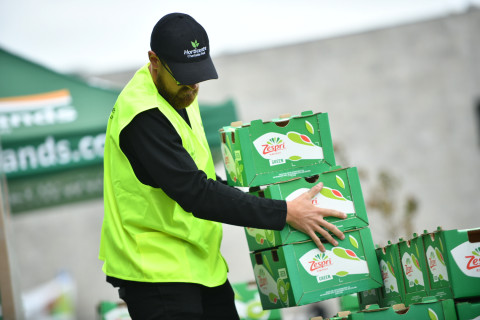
(196, 52)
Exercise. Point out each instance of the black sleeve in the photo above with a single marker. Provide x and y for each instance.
(158, 159)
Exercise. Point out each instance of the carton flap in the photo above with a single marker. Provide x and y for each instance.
(398, 307)
(307, 113)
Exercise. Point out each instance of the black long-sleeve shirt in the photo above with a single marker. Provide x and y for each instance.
(158, 159)
(155, 151)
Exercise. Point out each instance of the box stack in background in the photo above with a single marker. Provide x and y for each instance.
(436, 268)
(281, 159)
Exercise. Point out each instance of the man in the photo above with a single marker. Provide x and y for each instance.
(163, 204)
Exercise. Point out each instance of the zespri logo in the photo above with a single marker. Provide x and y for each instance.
(474, 259)
(467, 258)
(320, 261)
(292, 146)
(273, 145)
(262, 278)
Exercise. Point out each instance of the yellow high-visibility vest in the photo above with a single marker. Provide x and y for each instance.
(147, 236)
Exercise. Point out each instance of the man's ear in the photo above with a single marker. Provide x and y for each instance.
(154, 60)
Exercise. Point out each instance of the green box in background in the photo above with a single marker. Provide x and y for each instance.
(339, 316)
(262, 153)
(108, 310)
(459, 252)
(368, 297)
(341, 191)
(468, 310)
(249, 307)
(428, 309)
(393, 290)
(414, 269)
(439, 282)
(349, 302)
(299, 274)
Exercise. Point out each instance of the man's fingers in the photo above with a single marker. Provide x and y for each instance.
(317, 241)
(332, 213)
(326, 235)
(315, 189)
(333, 228)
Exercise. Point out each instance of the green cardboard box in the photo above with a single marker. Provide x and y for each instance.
(438, 279)
(428, 309)
(341, 191)
(368, 297)
(393, 289)
(468, 310)
(342, 315)
(247, 301)
(349, 302)
(414, 269)
(262, 153)
(108, 310)
(453, 258)
(298, 274)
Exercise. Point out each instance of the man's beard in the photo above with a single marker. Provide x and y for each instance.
(179, 100)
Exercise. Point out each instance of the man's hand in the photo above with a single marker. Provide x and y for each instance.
(306, 217)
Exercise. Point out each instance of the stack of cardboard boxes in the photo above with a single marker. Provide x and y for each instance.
(439, 268)
(281, 159)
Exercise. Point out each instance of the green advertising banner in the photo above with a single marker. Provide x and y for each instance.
(52, 131)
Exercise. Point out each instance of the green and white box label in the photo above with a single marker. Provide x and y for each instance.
(277, 148)
(436, 263)
(388, 275)
(336, 262)
(413, 271)
(327, 198)
(275, 290)
(467, 258)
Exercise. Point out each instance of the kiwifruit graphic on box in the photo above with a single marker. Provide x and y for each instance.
(341, 191)
(261, 153)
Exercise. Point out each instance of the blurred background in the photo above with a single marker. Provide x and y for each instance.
(400, 81)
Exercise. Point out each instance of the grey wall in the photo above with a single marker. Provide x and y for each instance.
(400, 100)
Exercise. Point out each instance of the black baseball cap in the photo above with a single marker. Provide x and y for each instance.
(182, 43)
